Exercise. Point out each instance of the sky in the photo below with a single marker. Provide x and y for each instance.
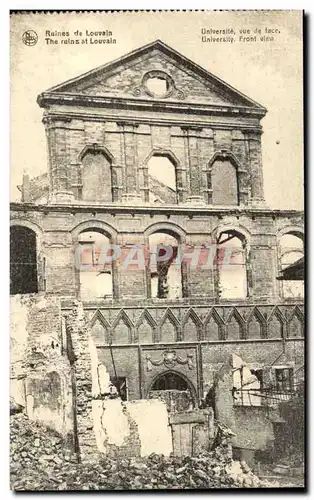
(268, 72)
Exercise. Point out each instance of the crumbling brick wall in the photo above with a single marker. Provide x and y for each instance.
(78, 347)
(40, 374)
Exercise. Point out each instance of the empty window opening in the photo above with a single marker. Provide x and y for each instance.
(291, 250)
(96, 177)
(166, 272)
(231, 266)
(224, 183)
(23, 261)
(119, 388)
(284, 379)
(157, 86)
(161, 180)
(95, 273)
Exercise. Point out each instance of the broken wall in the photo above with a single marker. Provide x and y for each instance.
(251, 425)
(40, 374)
(133, 428)
(34, 321)
(104, 425)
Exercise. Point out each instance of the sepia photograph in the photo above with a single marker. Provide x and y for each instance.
(157, 250)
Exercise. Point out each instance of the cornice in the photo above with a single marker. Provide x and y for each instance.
(47, 99)
(52, 117)
(190, 211)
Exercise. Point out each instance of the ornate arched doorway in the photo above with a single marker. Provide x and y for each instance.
(174, 389)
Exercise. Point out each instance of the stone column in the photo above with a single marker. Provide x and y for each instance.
(192, 152)
(58, 159)
(256, 168)
(130, 160)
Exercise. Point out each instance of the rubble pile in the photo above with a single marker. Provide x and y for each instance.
(38, 463)
(35, 454)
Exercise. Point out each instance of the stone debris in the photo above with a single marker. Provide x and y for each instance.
(39, 463)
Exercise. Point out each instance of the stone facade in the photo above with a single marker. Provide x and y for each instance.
(103, 128)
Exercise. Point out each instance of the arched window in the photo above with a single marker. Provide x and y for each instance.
(224, 182)
(165, 271)
(291, 251)
(23, 260)
(95, 270)
(231, 266)
(162, 182)
(96, 176)
(174, 390)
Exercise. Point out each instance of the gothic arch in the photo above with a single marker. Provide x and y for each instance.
(105, 335)
(171, 317)
(234, 314)
(299, 313)
(168, 315)
(299, 317)
(276, 312)
(145, 316)
(123, 318)
(278, 315)
(191, 314)
(213, 314)
(258, 316)
(99, 317)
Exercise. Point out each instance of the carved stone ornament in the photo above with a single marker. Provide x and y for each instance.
(170, 359)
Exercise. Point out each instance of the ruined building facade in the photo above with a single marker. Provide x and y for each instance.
(149, 150)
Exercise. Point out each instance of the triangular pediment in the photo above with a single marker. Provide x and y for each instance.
(155, 72)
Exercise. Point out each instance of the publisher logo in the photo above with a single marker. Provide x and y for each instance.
(30, 38)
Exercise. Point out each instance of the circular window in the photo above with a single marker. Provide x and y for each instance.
(158, 84)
